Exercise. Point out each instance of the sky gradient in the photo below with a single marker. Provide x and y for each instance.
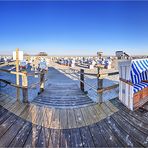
(74, 28)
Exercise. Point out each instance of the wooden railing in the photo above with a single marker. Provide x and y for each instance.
(126, 81)
(81, 75)
(24, 75)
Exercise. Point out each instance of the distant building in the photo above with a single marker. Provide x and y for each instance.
(122, 55)
(42, 54)
(119, 54)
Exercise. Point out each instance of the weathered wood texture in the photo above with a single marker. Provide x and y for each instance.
(63, 95)
(82, 79)
(123, 128)
(63, 116)
(55, 118)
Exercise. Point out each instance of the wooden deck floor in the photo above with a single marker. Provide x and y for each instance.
(63, 95)
(57, 119)
(119, 128)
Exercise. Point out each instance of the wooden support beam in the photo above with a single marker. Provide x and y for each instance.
(110, 73)
(100, 85)
(25, 87)
(145, 81)
(42, 81)
(126, 81)
(12, 84)
(82, 79)
(104, 74)
(17, 75)
(12, 72)
(108, 88)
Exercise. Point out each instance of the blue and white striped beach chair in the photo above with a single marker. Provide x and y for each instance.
(133, 87)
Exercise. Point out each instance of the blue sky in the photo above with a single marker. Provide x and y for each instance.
(79, 28)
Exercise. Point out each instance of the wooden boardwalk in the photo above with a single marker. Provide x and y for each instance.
(63, 95)
(119, 127)
(62, 92)
(57, 119)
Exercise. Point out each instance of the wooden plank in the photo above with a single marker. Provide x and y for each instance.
(100, 111)
(87, 116)
(26, 112)
(7, 124)
(94, 115)
(33, 136)
(76, 138)
(6, 139)
(54, 140)
(111, 140)
(7, 106)
(17, 74)
(134, 114)
(65, 138)
(43, 138)
(71, 118)
(106, 109)
(39, 117)
(79, 117)
(32, 114)
(101, 90)
(111, 106)
(87, 139)
(55, 120)
(25, 89)
(131, 130)
(126, 81)
(134, 121)
(4, 116)
(35, 114)
(82, 79)
(122, 136)
(44, 123)
(5, 100)
(21, 109)
(22, 135)
(48, 117)
(14, 107)
(2, 111)
(98, 139)
(63, 119)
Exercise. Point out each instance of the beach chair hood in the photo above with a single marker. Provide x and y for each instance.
(139, 70)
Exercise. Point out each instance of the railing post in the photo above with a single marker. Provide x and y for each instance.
(82, 79)
(25, 87)
(100, 85)
(17, 75)
(42, 81)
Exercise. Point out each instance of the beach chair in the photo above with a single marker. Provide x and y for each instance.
(133, 84)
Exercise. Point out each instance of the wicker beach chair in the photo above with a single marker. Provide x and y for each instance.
(133, 85)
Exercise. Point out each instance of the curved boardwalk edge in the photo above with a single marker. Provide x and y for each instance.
(55, 118)
(122, 128)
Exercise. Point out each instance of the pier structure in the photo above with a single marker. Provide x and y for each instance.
(64, 116)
